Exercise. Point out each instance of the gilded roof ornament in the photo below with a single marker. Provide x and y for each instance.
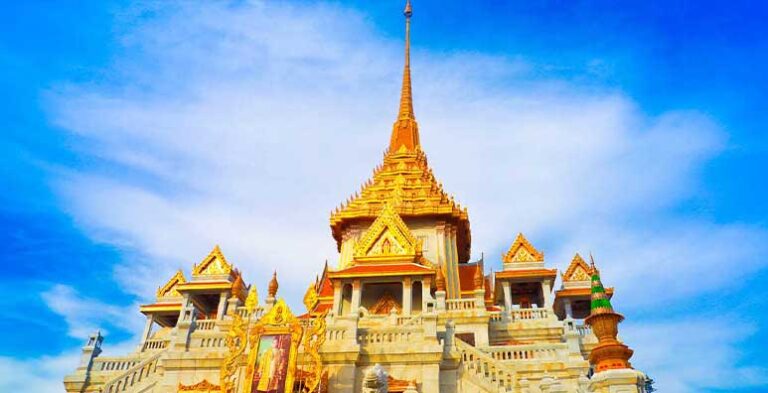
(213, 265)
(388, 236)
(170, 288)
(522, 251)
(273, 285)
(578, 270)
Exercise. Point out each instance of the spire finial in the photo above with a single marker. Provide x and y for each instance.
(405, 131)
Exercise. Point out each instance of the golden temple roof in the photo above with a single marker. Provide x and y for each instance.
(522, 251)
(578, 270)
(404, 178)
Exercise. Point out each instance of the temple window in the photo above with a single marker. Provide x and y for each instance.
(346, 299)
(416, 296)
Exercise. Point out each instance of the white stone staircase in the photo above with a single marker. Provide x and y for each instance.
(483, 370)
(139, 378)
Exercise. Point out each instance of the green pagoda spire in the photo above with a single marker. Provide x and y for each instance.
(600, 302)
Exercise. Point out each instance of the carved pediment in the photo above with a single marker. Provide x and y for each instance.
(214, 264)
(385, 304)
(201, 387)
(522, 251)
(170, 288)
(388, 236)
(578, 270)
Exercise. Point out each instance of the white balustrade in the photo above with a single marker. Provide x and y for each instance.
(460, 304)
(529, 314)
(336, 333)
(155, 344)
(485, 369)
(113, 364)
(526, 352)
(388, 335)
(139, 372)
(205, 324)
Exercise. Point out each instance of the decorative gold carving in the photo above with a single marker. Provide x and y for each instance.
(387, 236)
(214, 264)
(170, 289)
(314, 338)
(201, 387)
(311, 298)
(385, 304)
(522, 251)
(252, 300)
(578, 270)
(237, 342)
(279, 320)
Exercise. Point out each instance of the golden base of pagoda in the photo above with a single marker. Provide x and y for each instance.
(605, 325)
(610, 356)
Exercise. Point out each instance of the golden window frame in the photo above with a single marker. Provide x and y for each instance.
(277, 321)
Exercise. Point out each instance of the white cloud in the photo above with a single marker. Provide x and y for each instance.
(43, 375)
(244, 125)
(85, 315)
(694, 355)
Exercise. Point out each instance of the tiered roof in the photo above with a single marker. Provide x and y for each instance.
(404, 177)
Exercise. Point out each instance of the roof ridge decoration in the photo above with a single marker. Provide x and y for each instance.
(578, 270)
(387, 237)
(170, 288)
(419, 192)
(212, 265)
(522, 251)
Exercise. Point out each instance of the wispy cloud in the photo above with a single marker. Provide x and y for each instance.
(84, 315)
(222, 125)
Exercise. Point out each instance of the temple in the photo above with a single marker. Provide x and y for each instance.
(404, 309)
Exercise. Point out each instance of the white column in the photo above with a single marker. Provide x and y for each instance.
(507, 295)
(546, 291)
(356, 295)
(407, 296)
(568, 308)
(337, 298)
(426, 284)
(222, 306)
(147, 329)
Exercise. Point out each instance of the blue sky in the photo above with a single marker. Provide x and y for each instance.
(138, 136)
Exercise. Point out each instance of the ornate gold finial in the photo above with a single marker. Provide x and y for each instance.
(252, 300)
(440, 279)
(405, 132)
(272, 290)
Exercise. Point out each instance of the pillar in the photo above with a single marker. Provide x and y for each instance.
(356, 295)
(507, 295)
(568, 308)
(546, 290)
(407, 296)
(426, 284)
(337, 298)
(222, 306)
(147, 330)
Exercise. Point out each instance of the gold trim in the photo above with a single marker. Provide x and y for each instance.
(279, 320)
(209, 267)
(170, 288)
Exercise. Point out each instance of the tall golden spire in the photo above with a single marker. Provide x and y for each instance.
(405, 131)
